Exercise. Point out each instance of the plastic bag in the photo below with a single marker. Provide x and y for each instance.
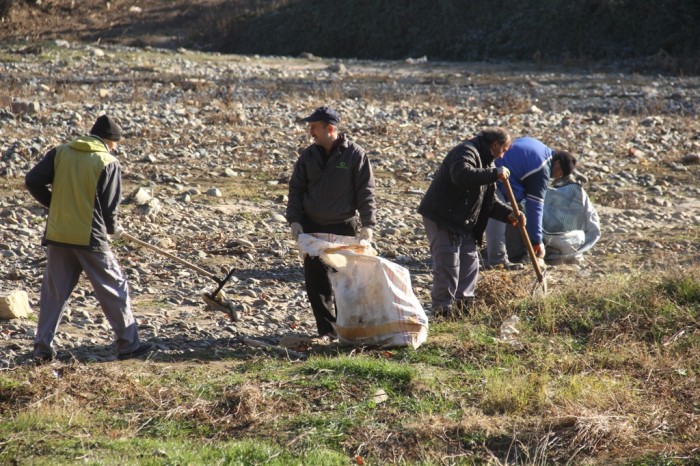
(374, 299)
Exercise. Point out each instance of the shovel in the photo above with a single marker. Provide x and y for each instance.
(212, 299)
(540, 287)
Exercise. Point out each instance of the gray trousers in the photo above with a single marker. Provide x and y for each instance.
(455, 265)
(62, 272)
(496, 251)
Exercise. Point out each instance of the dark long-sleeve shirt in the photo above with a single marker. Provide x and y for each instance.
(461, 196)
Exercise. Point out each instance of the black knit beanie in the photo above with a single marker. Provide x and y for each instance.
(567, 161)
(106, 128)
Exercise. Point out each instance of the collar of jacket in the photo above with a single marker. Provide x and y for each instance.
(89, 143)
(484, 151)
(341, 143)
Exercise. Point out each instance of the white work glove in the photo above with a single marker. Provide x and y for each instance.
(502, 173)
(118, 232)
(366, 234)
(296, 230)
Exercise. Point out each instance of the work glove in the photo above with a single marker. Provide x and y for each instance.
(366, 234)
(513, 220)
(296, 230)
(118, 232)
(502, 173)
(539, 250)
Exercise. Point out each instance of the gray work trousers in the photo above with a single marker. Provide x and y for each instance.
(63, 269)
(455, 265)
(496, 251)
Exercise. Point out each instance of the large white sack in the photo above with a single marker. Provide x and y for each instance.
(374, 299)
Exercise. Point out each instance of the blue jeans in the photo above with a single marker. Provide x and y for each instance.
(455, 265)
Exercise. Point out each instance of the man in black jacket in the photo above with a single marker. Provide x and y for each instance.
(332, 181)
(455, 211)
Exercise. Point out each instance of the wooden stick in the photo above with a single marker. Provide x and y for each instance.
(278, 349)
(206, 273)
(523, 233)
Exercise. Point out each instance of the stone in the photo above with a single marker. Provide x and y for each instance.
(15, 305)
(141, 197)
(691, 159)
(19, 108)
(380, 396)
(337, 68)
(243, 242)
(5, 101)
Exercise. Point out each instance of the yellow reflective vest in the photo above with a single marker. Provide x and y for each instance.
(77, 169)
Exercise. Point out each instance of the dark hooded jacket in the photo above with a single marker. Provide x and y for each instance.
(461, 197)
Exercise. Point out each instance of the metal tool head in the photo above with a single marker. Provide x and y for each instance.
(539, 288)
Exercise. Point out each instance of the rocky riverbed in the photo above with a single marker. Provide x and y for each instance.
(211, 141)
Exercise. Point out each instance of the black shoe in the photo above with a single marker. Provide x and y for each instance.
(442, 311)
(144, 348)
(464, 306)
(41, 359)
(507, 265)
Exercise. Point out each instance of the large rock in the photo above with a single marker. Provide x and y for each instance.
(15, 305)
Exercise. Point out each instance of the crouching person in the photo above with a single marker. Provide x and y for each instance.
(570, 222)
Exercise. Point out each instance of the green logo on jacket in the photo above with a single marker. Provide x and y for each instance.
(342, 165)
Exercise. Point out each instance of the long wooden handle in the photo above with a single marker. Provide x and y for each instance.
(206, 273)
(278, 349)
(523, 231)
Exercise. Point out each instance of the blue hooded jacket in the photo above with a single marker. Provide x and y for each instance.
(530, 165)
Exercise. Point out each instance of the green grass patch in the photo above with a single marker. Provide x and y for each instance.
(513, 391)
(684, 290)
(662, 459)
(373, 370)
(90, 449)
(8, 385)
(593, 391)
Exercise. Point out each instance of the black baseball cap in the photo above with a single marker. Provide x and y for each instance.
(323, 114)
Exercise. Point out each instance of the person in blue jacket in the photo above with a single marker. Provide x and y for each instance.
(532, 164)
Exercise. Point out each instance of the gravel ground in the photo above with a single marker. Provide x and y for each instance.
(211, 141)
